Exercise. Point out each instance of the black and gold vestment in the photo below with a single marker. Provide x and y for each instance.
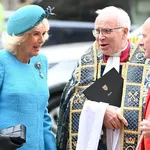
(136, 74)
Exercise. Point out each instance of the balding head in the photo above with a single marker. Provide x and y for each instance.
(147, 22)
(145, 41)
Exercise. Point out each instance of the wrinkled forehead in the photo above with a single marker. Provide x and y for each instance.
(106, 20)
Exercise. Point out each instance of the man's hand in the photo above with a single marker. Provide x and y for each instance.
(145, 128)
(113, 118)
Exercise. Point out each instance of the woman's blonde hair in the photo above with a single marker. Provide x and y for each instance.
(12, 42)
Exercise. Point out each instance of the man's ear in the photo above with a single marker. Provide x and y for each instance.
(125, 32)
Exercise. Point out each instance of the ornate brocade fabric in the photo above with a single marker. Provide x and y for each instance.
(90, 67)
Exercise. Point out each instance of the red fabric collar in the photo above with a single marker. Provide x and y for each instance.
(124, 54)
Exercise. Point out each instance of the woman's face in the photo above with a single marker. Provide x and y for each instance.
(31, 46)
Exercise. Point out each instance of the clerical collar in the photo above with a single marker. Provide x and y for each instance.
(124, 54)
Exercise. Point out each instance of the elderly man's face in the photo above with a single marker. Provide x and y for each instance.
(145, 41)
(111, 35)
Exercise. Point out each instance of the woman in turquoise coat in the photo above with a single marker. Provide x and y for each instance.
(23, 78)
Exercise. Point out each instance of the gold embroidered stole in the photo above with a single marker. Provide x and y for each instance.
(136, 74)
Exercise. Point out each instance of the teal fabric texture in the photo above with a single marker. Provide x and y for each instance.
(24, 19)
(23, 99)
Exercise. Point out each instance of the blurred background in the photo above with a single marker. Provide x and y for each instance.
(71, 35)
(83, 10)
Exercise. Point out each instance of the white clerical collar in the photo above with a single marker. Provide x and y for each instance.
(114, 61)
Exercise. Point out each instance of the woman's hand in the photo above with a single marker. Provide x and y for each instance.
(145, 128)
(113, 118)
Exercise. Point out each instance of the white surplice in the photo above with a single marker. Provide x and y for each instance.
(90, 125)
(92, 115)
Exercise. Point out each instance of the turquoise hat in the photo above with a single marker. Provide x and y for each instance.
(24, 19)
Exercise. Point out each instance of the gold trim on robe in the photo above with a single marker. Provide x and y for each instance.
(136, 80)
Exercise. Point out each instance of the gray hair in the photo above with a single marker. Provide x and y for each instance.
(123, 17)
(12, 42)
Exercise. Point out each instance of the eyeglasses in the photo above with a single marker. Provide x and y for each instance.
(104, 31)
